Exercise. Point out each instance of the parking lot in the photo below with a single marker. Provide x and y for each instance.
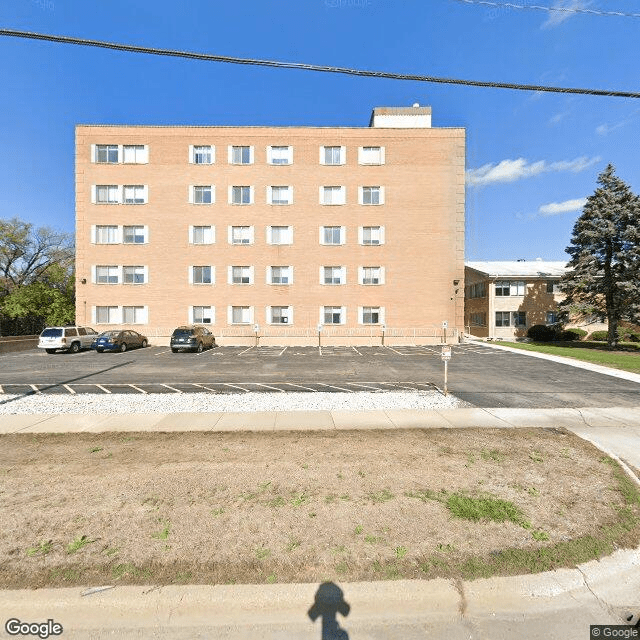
(479, 374)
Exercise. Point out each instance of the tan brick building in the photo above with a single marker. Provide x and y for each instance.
(504, 299)
(359, 229)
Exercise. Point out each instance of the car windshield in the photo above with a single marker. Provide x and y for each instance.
(110, 334)
(51, 333)
(180, 333)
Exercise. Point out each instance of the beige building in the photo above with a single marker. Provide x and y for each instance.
(279, 231)
(504, 299)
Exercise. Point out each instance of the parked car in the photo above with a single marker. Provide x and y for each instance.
(116, 340)
(70, 339)
(191, 338)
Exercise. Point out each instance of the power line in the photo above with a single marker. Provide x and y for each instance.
(311, 67)
(593, 12)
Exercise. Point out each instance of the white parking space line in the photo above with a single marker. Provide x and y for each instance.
(245, 351)
(33, 386)
(394, 351)
(161, 352)
(103, 388)
(366, 386)
(398, 385)
(283, 351)
(69, 389)
(300, 386)
(356, 350)
(203, 386)
(133, 386)
(320, 349)
(269, 387)
(235, 386)
(333, 386)
(170, 387)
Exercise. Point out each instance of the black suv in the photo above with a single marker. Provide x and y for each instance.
(191, 338)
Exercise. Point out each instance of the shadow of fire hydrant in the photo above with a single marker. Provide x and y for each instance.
(330, 601)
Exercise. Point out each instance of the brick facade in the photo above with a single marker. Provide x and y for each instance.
(422, 214)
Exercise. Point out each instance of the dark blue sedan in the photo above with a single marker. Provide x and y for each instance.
(119, 341)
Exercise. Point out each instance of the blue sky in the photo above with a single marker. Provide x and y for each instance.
(531, 158)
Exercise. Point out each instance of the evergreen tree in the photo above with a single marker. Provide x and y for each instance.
(604, 271)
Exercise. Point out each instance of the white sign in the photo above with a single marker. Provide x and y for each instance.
(446, 352)
(319, 327)
(256, 327)
(445, 324)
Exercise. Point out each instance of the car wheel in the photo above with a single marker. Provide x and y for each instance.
(144, 344)
(123, 347)
(74, 348)
(99, 350)
(50, 350)
(174, 350)
(200, 347)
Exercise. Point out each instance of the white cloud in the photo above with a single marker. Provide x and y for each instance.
(512, 170)
(555, 208)
(558, 17)
(604, 129)
(558, 117)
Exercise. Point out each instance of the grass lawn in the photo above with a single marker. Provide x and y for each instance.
(220, 508)
(627, 358)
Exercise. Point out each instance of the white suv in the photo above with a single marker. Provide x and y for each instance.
(70, 339)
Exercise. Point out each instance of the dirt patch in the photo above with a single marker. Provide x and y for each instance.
(143, 508)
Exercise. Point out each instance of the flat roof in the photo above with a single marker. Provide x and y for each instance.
(517, 268)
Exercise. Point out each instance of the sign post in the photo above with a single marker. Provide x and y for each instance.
(445, 326)
(319, 330)
(383, 329)
(256, 328)
(446, 356)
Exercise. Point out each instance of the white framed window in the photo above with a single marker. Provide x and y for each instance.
(106, 154)
(332, 235)
(240, 275)
(552, 317)
(553, 286)
(135, 154)
(106, 315)
(135, 194)
(202, 234)
(106, 194)
(333, 315)
(202, 194)
(503, 318)
(370, 155)
(134, 234)
(519, 318)
(279, 155)
(280, 275)
(202, 154)
(106, 234)
(371, 275)
(371, 236)
(333, 195)
(279, 235)
(134, 275)
(510, 288)
(333, 275)
(371, 315)
(201, 314)
(241, 195)
(107, 274)
(333, 155)
(280, 195)
(204, 274)
(134, 315)
(371, 195)
(240, 235)
(240, 315)
(280, 315)
(240, 154)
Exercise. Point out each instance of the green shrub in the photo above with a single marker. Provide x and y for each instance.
(541, 333)
(571, 334)
(599, 336)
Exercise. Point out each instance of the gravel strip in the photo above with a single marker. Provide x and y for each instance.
(210, 402)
